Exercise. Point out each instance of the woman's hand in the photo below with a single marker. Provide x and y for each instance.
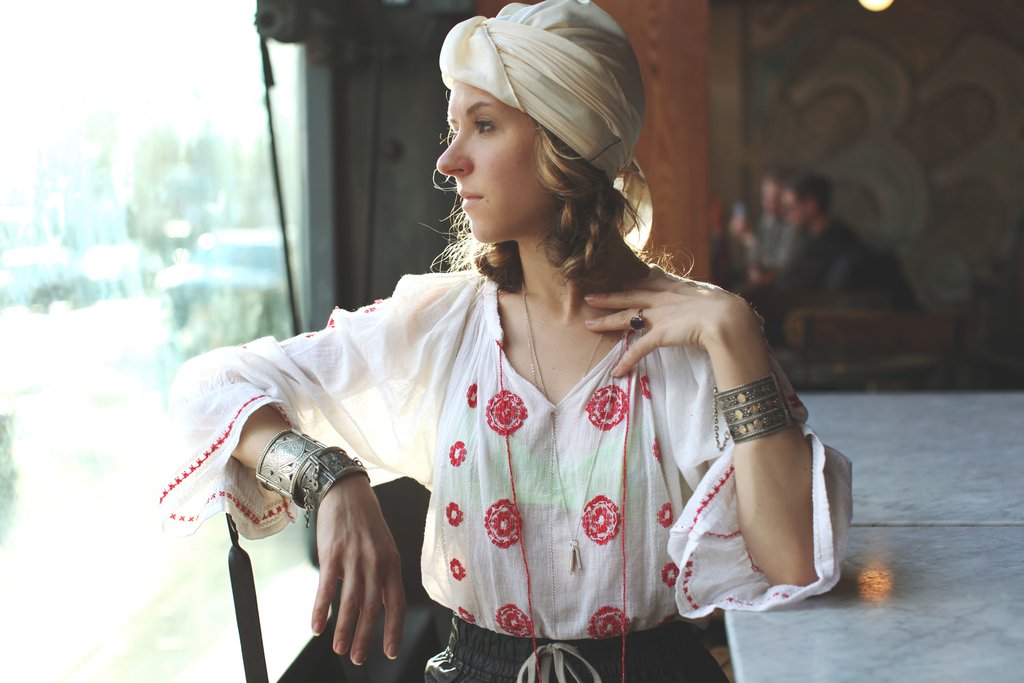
(680, 313)
(356, 546)
(773, 475)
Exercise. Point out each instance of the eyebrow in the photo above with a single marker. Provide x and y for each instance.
(472, 108)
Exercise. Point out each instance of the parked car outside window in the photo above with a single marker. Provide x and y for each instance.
(232, 280)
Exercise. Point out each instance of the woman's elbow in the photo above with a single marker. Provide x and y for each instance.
(795, 572)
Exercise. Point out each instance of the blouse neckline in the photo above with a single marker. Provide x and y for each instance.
(493, 321)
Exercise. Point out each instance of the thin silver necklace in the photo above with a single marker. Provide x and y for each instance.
(535, 370)
(575, 561)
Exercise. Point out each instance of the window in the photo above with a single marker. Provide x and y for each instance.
(137, 228)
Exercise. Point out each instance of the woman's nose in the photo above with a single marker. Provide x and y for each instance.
(453, 161)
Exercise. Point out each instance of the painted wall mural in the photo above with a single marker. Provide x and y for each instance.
(917, 114)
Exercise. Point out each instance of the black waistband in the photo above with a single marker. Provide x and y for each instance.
(669, 653)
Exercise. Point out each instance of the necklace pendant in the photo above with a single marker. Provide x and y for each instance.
(575, 563)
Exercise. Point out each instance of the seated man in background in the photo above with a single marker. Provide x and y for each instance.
(832, 256)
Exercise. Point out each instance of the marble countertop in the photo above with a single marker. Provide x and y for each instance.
(933, 583)
(951, 458)
(914, 604)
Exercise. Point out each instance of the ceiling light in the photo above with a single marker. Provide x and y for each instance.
(875, 5)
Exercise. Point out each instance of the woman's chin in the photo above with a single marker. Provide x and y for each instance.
(481, 233)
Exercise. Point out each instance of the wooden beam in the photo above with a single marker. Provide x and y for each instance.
(672, 41)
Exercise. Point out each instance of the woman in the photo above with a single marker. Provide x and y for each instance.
(558, 398)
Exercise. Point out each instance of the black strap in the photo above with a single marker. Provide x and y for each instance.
(247, 613)
(268, 83)
(243, 586)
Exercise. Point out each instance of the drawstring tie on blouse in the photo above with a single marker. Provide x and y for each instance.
(553, 655)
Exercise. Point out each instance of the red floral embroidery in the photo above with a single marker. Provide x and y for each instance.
(457, 454)
(259, 520)
(502, 523)
(657, 453)
(608, 407)
(458, 571)
(665, 515)
(466, 616)
(209, 451)
(607, 622)
(601, 520)
(669, 574)
(687, 576)
(794, 402)
(454, 514)
(645, 386)
(471, 395)
(513, 620)
(711, 496)
(505, 412)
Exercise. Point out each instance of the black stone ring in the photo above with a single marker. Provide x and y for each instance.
(637, 321)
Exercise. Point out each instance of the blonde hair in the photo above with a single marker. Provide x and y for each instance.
(591, 220)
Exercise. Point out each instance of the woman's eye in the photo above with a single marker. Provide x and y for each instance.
(484, 126)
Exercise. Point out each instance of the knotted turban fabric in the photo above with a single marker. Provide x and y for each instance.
(567, 64)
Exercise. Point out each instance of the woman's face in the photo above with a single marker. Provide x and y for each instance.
(493, 160)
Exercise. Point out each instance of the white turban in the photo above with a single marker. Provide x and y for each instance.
(566, 63)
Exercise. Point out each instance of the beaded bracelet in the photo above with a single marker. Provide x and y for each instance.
(753, 410)
(303, 469)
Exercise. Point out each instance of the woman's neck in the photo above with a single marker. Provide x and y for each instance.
(546, 284)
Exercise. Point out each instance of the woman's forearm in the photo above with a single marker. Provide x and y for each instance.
(264, 423)
(773, 473)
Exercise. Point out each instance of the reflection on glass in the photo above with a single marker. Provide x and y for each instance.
(875, 582)
(137, 227)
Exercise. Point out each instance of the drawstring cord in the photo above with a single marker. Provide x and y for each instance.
(554, 655)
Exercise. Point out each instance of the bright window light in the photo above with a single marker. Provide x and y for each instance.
(128, 130)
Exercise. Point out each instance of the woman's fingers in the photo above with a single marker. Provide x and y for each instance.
(394, 612)
(324, 594)
(366, 615)
(357, 547)
(362, 599)
(348, 612)
(641, 294)
(640, 347)
(625, 299)
(613, 321)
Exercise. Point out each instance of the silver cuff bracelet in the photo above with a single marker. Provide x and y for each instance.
(754, 410)
(303, 469)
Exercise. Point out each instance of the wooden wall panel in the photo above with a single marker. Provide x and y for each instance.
(671, 39)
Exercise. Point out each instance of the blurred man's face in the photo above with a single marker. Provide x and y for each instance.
(771, 198)
(800, 213)
(791, 208)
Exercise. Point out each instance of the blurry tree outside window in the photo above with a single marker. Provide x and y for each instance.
(137, 228)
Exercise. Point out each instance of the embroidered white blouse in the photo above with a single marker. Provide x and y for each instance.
(626, 469)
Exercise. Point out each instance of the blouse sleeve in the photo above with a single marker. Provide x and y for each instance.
(371, 382)
(716, 570)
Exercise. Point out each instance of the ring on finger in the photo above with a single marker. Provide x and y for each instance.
(637, 321)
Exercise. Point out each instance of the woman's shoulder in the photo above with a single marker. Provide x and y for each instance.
(657, 272)
(427, 289)
(440, 281)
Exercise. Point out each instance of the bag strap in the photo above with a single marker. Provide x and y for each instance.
(247, 613)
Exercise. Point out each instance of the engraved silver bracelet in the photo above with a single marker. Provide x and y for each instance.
(753, 410)
(303, 469)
